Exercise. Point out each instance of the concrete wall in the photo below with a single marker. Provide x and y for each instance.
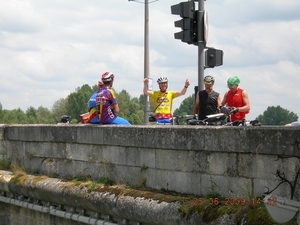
(233, 161)
(11, 214)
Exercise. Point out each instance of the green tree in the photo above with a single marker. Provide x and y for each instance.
(59, 108)
(277, 116)
(186, 107)
(15, 116)
(123, 99)
(31, 115)
(136, 112)
(77, 101)
(41, 115)
(1, 114)
(45, 116)
(130, 108)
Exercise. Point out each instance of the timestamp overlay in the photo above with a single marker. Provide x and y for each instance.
(230, 201)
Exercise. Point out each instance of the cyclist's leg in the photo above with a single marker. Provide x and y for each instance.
(121, 121)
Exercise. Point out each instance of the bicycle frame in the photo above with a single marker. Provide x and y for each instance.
(219, 120)
(214, 119)
(174, 121)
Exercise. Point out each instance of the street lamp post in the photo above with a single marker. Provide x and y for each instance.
(146, 56)
(146, 60)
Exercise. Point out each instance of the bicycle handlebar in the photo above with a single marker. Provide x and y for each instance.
(186, 116)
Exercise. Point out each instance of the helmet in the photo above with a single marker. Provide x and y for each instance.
(209, 79)
(162, 80)
(233, 81)
(107, 76)
(65, 119)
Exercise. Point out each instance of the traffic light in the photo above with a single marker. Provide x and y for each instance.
(188, 23)
(213, 57)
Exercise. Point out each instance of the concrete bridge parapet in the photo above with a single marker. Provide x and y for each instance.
(233, 161)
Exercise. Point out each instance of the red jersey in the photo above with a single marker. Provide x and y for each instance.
(236, 100)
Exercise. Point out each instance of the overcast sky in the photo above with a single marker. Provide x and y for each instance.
(48, 48)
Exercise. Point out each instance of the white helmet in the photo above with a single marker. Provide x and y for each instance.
(162, 80)
(209, 79)
(107, 76)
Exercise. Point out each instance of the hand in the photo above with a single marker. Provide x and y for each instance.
(234, 110)
(146, 80)
(187, 83)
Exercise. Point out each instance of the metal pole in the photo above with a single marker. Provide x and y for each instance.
(146, 60)
(201, 45)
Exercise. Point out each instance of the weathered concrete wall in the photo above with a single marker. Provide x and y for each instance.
(11, 214)
(188, 159)
(27, 199)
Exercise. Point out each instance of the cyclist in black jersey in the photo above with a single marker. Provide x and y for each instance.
(207, 101)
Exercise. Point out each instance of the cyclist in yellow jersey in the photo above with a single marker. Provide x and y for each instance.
(162, 99)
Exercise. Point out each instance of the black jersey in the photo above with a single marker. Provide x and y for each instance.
(208, 103)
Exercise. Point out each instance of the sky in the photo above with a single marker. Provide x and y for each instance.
(50, 48)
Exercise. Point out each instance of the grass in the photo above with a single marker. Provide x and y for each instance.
(5, 164)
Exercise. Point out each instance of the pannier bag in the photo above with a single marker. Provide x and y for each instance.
(85, 118)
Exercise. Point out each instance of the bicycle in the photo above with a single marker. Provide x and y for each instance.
(220, 119)
(214, 119)
(226, 110)
(243, 123)
(174, 121)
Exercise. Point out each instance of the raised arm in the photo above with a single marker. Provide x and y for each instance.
(183, 91)
(145, 90)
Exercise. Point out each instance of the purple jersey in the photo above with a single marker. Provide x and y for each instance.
(105, 98)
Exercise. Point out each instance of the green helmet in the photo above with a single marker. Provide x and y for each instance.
(233, 81)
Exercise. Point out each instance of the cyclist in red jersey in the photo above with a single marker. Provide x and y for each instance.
(237, 99)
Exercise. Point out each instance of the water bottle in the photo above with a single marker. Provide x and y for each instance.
(150, 84)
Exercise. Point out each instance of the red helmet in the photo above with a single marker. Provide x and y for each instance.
(107, 76)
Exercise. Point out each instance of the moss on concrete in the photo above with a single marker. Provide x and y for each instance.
(19, 178)
(188, 204)
(37, 179)
(258, 216)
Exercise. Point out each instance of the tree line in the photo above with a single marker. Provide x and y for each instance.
(131, 108)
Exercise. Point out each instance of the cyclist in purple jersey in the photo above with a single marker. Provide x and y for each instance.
(106, 102)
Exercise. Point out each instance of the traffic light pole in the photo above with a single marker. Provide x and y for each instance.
(201, 45)
(194, 30)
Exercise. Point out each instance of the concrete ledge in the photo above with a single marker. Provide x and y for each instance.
(187, 159)
(265, 140)
(62, 193)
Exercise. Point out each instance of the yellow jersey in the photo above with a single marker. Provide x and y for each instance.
(163, 103)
